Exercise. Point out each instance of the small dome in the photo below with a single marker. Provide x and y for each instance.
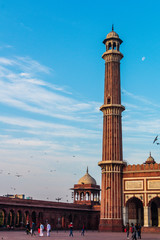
(112, 35)
(150, 160)
(87, 179)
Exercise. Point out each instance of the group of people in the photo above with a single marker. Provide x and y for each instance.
(135, 231)
(71, 229)
(31, 230)
(41, 229)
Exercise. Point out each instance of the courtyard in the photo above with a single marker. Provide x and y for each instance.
(63, 235)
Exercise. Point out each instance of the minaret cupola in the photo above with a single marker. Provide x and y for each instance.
(112, 41)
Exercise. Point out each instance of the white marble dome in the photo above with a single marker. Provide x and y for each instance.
(87, 179)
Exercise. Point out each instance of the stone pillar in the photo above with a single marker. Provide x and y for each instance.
(158, 217)
(125, 216)
(139, 216)
(149, 216)
(74, 196)
(146, 216)
(14, 218)
(6, 218)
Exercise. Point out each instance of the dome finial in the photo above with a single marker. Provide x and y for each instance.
(150, 154)
(112, 27)
(87, 169)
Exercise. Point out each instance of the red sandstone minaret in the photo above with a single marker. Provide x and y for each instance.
(112, 158)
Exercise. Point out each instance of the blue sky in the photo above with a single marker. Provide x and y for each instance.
(51, 88)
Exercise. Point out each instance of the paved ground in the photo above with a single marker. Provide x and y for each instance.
(62, 235)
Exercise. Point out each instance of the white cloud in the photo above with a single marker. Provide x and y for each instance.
(36, 127)
(141, 99)
(35, 116)
(143, 58)
(31, 66)
(20, 90)
(6, 61)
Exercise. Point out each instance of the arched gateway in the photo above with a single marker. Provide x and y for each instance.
(141, 194)
(134, 207)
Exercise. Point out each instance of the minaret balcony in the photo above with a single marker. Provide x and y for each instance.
(112, 109)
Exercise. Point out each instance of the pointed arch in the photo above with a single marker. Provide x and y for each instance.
(135, 211)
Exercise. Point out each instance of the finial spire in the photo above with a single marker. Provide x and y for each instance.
(112, 27)
(87, 169)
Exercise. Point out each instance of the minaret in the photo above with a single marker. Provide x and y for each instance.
(112, 158)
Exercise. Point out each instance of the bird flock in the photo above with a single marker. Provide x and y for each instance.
(25, 175)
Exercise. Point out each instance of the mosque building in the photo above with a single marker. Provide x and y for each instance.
(129, 193)
(85, 210)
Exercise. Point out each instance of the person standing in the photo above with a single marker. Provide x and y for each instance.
(127, 230)
(136, 230)
(28, 228)
(48, 229)
(33, 229)
(134, 237)
(41, 230)
(139, 231)
(71, 229)
(82, 233)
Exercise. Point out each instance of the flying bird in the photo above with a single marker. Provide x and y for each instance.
(18, 175)
(58, 199)
(156, 138)
(108, 188)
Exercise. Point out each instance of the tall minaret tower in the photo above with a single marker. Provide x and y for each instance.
(112, 158)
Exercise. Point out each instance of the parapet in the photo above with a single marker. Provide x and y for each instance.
(142, 167)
